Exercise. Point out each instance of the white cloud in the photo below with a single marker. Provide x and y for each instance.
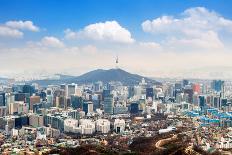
(9, 32)
(69, 34)
(108, 31)
(158, 25)
(150, 45)
(207, 41)
(23, 25)
(193, 19)
(51, 41)
(197, 27)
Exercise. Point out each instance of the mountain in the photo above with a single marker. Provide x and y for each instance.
(63, 77)
(98, 75)
(3, 80)
(111, 75)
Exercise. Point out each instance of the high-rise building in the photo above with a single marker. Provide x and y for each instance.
(3, 111)
(34, 100)
(224, 102)
(103, 125)
(56, 94)
(36, 107)
(143, 86)
(217, 85)
(108, 104)
(76, 102)
(61, 101)
(190, 94)
(71, 90)
(63, 87)
(70, 125)
(56, 121)
(119, 125)
(134, 108)
(75, 114)
(18, 107)
(36, 120)
(22, 97)
(196, 88)
(42, 95)
(202, 101)
(216, 102)
(22, 120)
(106, 92)
(88, 107)
(149, 93)
(185, 82)
(2, 99)
(98, 86)
(28, 89)
(10, 98)
(178, 86)
(131, 91)
(96, 101)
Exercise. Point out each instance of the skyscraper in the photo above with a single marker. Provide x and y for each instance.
(34, 100)
(217, 85)
(71, 90)
(28, 89)
(98, 86)
(106, 92)
(190, 95)
(185, 82)
(88, 107)
(108, 104)
(202, 101)
(76, 101)
(134, 108)
(196, 88)
(2, 99)
(149, 93)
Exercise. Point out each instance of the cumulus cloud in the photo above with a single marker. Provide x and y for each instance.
(150, 45)
(51, 41)
(13, 29)
(9, 32)
(69, 34)
(108, 31)
(207, 41)
(195, 26)
(23, 25)
(191, 20)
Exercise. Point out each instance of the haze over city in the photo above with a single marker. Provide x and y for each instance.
(178, 39)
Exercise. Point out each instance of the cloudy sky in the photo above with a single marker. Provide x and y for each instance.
(153, 38)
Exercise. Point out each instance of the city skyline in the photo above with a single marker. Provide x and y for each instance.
(119, 77)
(167, 39)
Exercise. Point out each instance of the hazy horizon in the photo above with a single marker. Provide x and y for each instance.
(172, 40)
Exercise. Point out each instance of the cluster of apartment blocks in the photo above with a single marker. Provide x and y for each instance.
(71, 121)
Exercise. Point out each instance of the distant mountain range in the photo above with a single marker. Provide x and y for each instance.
(3, 80)
(97, 75)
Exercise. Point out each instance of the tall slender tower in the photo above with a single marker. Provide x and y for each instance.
(117, 62)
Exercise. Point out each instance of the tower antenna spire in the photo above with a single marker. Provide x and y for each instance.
(117, 62)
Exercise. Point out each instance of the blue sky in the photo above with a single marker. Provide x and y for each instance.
(165, 36)
(54, 16)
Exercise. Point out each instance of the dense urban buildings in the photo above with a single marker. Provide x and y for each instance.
(102, 113)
